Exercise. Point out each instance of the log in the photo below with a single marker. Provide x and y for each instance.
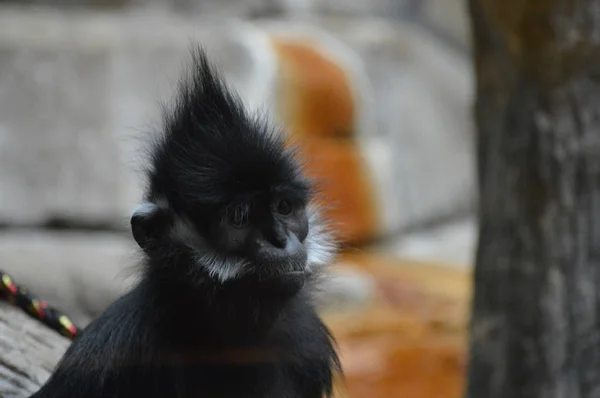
(28, 352)
(535, 324)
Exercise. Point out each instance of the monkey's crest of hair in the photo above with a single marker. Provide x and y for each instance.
(212, 151)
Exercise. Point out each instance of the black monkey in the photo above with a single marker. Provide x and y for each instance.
(232, 251)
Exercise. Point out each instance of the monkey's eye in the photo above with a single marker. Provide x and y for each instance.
(284, 207)
(238, 216)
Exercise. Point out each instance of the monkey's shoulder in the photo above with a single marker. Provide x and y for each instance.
(312, 358)
(305, 329)
(111, 353)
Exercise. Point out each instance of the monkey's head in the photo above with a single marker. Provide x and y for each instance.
(226, 193)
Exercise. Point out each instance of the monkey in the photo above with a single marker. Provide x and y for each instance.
(232, 249)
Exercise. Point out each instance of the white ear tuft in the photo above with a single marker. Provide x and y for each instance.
(145, 210)
(320, 244)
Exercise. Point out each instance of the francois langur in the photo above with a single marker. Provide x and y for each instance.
(232, 249)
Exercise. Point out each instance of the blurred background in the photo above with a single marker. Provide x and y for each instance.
(378, 93)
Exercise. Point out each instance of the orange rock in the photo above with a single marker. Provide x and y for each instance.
(318, 100)
(317, 106)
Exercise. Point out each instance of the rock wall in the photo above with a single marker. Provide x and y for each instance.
(382, 106)
(79, 91)
(448, 18)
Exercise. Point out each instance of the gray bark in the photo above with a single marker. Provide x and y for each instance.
(28, 352)
(535, 326)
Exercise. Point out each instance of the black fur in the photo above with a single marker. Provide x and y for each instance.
(187, 330)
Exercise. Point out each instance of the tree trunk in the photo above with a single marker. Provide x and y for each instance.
(535, 330)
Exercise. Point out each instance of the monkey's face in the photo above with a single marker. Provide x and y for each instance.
(273, 237)
(261, 238)
(269, 233)
(227, 199)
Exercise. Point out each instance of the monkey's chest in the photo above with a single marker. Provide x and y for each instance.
(244, 372)
(291, 360)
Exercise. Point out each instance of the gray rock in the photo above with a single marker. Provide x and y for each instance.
(241, 8)
(389, 8)
(77, 95)
(212, 8)
(78, 273)
(58, 157)
(346, 288)
(450, 244)
(449, 18)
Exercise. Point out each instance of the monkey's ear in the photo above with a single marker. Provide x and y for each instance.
(149, 223)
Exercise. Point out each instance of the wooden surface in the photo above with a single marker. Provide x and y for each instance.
(28, 352)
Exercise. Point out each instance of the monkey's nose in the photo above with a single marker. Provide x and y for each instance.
(276, 236)
(281, 246)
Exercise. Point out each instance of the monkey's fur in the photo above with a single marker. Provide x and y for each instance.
(232, 250)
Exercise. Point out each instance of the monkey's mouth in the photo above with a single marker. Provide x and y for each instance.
(296, 273)
(283, 276)
(277, 284)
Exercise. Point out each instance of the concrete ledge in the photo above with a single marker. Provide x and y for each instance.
(79, 273)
